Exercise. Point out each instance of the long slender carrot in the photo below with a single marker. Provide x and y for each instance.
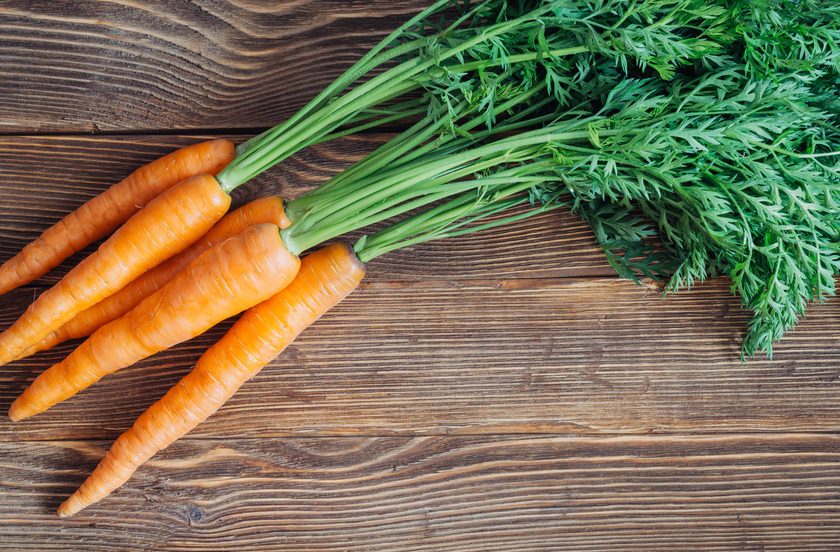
(263, 210)
(223, 281)
(325, 278)
(105, 212)
(167, 225)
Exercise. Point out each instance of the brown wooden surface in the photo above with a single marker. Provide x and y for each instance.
(497, 392)
(90, 65)
(453, 493)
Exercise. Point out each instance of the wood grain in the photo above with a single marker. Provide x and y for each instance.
(497, 392)
(91, 66)
(454, 493)
(43, 178)
(511, 356)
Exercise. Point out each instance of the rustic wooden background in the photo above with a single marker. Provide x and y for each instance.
(498, 392)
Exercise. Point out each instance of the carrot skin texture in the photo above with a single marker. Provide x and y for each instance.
(167, 225)
(223, 281)
(108, 210)
(326, 277)
(263, 210)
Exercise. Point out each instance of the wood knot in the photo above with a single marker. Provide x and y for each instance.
(195, 515)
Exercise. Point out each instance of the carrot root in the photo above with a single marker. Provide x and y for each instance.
(325, 278)
(223, 281)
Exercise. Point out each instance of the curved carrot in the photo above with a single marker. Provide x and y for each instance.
(223, 281)
(325, 278)
(167, 225)
(263, 210)
(105, 212)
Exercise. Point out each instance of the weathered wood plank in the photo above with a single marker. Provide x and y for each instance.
(44, 178)
(740, 492)
(513, 356)
(89, 66)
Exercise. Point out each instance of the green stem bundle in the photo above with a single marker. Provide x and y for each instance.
(740, 177)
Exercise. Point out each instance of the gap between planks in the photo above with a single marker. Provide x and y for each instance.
(686, 435)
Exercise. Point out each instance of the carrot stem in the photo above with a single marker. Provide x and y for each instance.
(280, 142)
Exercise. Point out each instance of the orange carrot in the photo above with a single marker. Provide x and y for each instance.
(223, 281)
(105, 212)
(167, 225)
(264, 210)
(326, 277)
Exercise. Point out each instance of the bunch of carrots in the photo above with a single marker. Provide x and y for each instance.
(513, 108)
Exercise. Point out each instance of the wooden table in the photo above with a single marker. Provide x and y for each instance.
(499, 392)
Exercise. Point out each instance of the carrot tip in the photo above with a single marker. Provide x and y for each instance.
(18, 412)
(68, 508)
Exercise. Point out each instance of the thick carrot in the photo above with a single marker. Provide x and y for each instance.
(263, 210)
(167, 225)
(105, 212)
(223, 281)
(326, 277)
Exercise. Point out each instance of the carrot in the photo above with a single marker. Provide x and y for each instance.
(167, 225)
(325, 278)
(263, 210)
(223, 281)
(105, 212)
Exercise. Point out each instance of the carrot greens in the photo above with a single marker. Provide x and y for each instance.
(733, 164)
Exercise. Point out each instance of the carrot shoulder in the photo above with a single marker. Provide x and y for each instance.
(167, 225)
(223, 281)
(325, 278)
(263, 210)
(105, 212)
